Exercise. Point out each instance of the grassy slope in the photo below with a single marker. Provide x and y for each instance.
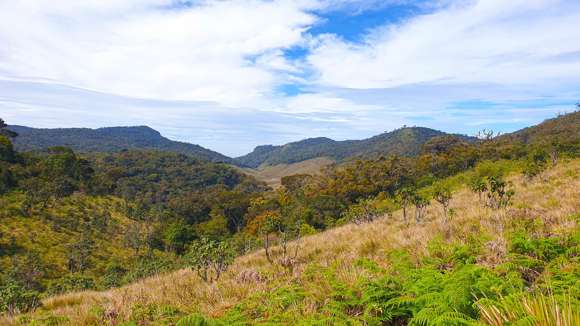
(52, 232)
(554, 199)
(272, 175)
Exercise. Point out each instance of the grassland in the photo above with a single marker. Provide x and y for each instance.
(342, 257)
(272, 174)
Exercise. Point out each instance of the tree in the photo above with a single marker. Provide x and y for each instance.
(554, 152)
(536, 163)
(421, 203)
(283, 230)
(210, 258)
(4, 131)
(442, 194)
(134, 237)
(369, 209)
(7, 153)
(177, 236)
(80, 252)
(28, 270)
(15, 299)
(7, 179)
(361, 212)
(500, 193)
(478, 186)
(404, 197)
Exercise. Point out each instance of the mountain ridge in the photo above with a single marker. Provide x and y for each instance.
(406, 141)
(107, 139)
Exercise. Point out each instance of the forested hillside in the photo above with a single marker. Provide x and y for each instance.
(404, 141)
(113, 139)
(72, 222)
(563, 129)
(461, 230)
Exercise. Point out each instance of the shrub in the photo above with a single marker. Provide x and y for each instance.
(210, 258)
(114, 273)
(499, 193)
(442, 194)
(535, 164)
(16, 299)
(70, 283)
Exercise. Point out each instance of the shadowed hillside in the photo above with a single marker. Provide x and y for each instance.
(111, 139)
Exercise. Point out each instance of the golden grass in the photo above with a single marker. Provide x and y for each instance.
(342, 245)
(272, 174)
(545, 310)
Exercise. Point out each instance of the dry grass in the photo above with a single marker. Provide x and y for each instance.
(343, 245)
(273, 174)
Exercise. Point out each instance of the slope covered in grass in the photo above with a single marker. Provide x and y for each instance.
(273, 174)
(428, 273)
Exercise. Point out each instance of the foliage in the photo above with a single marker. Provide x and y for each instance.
(499, 193)
(210, 258)
(529, 310)
(16, 299)
(442, 194)
(406, 141)
(536, 163)
(113, 139)
(73, 222)
(365, 211)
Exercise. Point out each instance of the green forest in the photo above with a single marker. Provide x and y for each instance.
(94, 221)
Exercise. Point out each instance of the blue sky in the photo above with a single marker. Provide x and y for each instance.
(233, 74)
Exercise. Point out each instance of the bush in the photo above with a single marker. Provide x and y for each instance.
(210, 258)
(70, 283)
(16, 299)
(536, 163)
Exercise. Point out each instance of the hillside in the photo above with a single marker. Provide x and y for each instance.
(380, 272)
(71, 222)
(111, 139)
(272, 174)
(397, 240)
(562, 129)
(405, 141)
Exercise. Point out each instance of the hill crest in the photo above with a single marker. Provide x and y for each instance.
(108, 139)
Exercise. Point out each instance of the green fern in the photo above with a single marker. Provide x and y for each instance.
(197, 320)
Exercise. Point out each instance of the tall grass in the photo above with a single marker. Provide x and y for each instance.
(537, 310)
(341, 248)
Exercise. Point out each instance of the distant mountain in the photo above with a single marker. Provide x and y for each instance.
(406, 141)
(113, 139)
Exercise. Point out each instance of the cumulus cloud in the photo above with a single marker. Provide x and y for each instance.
(153, 48)
(486, 41)
(220, 73)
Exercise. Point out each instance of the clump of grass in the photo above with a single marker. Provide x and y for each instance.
(540, 310)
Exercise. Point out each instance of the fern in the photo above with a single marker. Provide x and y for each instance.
(197, 320)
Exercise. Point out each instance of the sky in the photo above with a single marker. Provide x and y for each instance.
(233, 74)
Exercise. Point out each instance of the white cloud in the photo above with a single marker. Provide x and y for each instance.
(491, 41)
(211, 72)
(145, 48)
